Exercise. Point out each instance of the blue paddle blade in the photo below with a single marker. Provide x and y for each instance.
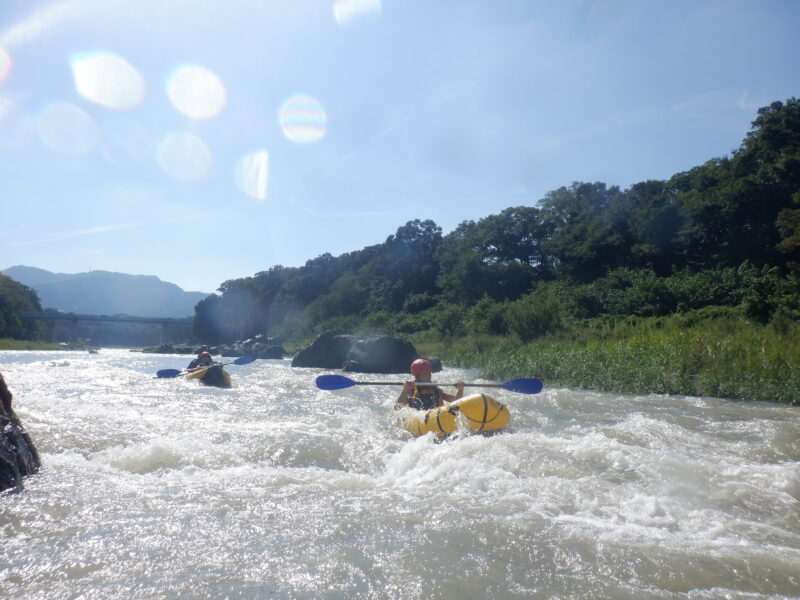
(523, 386)
(168, 373)
(244, 360)
(334, 382)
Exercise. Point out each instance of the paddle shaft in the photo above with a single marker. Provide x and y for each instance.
(339, 382)
(426, 384)
(172, 373)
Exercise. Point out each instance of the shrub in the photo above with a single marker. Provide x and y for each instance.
(539, 313)
(488, 316)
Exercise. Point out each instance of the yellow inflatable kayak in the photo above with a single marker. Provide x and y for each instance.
(216, 376)
(478, 413)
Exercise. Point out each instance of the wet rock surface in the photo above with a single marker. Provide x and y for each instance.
(18, 455)
(381, 354)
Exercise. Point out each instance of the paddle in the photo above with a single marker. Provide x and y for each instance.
(340, 382)
(242, 360)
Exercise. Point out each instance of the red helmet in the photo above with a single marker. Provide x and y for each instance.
(420, 366)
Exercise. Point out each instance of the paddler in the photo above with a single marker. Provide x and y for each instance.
(203, 359)
(214, 376)
(425, 397)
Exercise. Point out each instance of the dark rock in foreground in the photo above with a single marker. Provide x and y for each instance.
(18, 455)
(383, 354)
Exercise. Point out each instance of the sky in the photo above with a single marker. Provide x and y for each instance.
(207, 140)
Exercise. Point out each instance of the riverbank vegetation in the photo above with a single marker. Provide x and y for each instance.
(701, 353)
(11, 344)
(685, 285)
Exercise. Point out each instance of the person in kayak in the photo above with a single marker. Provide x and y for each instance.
(425, 397)
(214, 376)
(203, 360)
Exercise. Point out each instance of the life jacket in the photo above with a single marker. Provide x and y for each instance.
(425, 397)
(198, 363)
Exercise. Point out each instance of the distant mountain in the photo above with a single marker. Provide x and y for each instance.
(107, 293)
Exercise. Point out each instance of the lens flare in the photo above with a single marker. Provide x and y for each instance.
(184, 156)
(107, 80)
(126, 143)
(252, 174)
(17, 128)
(5, 64)
(347, 11)
(302, 119)
(67, 129)
(196, 92)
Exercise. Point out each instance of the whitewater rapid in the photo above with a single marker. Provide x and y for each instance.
(163, 488)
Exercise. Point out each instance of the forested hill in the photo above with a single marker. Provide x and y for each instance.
(104, 292)
(725, 233)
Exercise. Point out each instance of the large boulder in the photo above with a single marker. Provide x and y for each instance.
(328, 351)
(382, 354)
(18, 455)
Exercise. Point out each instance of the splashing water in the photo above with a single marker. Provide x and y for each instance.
(162, 488)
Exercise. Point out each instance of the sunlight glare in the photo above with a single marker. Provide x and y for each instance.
(347, 11)
(196, 92)
(5, 64)
(107, 80)
(67, 129)
(184, 156)
(302, 119)
(252, 174)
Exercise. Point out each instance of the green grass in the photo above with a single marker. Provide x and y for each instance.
(727, 357)
(9, 344)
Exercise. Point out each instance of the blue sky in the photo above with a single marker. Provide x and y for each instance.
(205, 140)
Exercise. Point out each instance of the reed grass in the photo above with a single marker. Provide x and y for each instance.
(726, 358)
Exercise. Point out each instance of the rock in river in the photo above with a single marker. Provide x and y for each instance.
(382, 354)
(18, 455)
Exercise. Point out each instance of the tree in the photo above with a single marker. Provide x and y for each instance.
(788, 223)
(654, 222)
(407, 264)
(585, 240)
(15, 298)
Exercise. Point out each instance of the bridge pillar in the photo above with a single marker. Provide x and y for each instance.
(73, 331)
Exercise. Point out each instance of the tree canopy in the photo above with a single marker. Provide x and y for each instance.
(710, 235)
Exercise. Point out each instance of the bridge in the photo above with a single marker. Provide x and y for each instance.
(165, 322)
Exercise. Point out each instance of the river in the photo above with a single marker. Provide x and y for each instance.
(163, 488)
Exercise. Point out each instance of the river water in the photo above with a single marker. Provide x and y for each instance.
(163, 488)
